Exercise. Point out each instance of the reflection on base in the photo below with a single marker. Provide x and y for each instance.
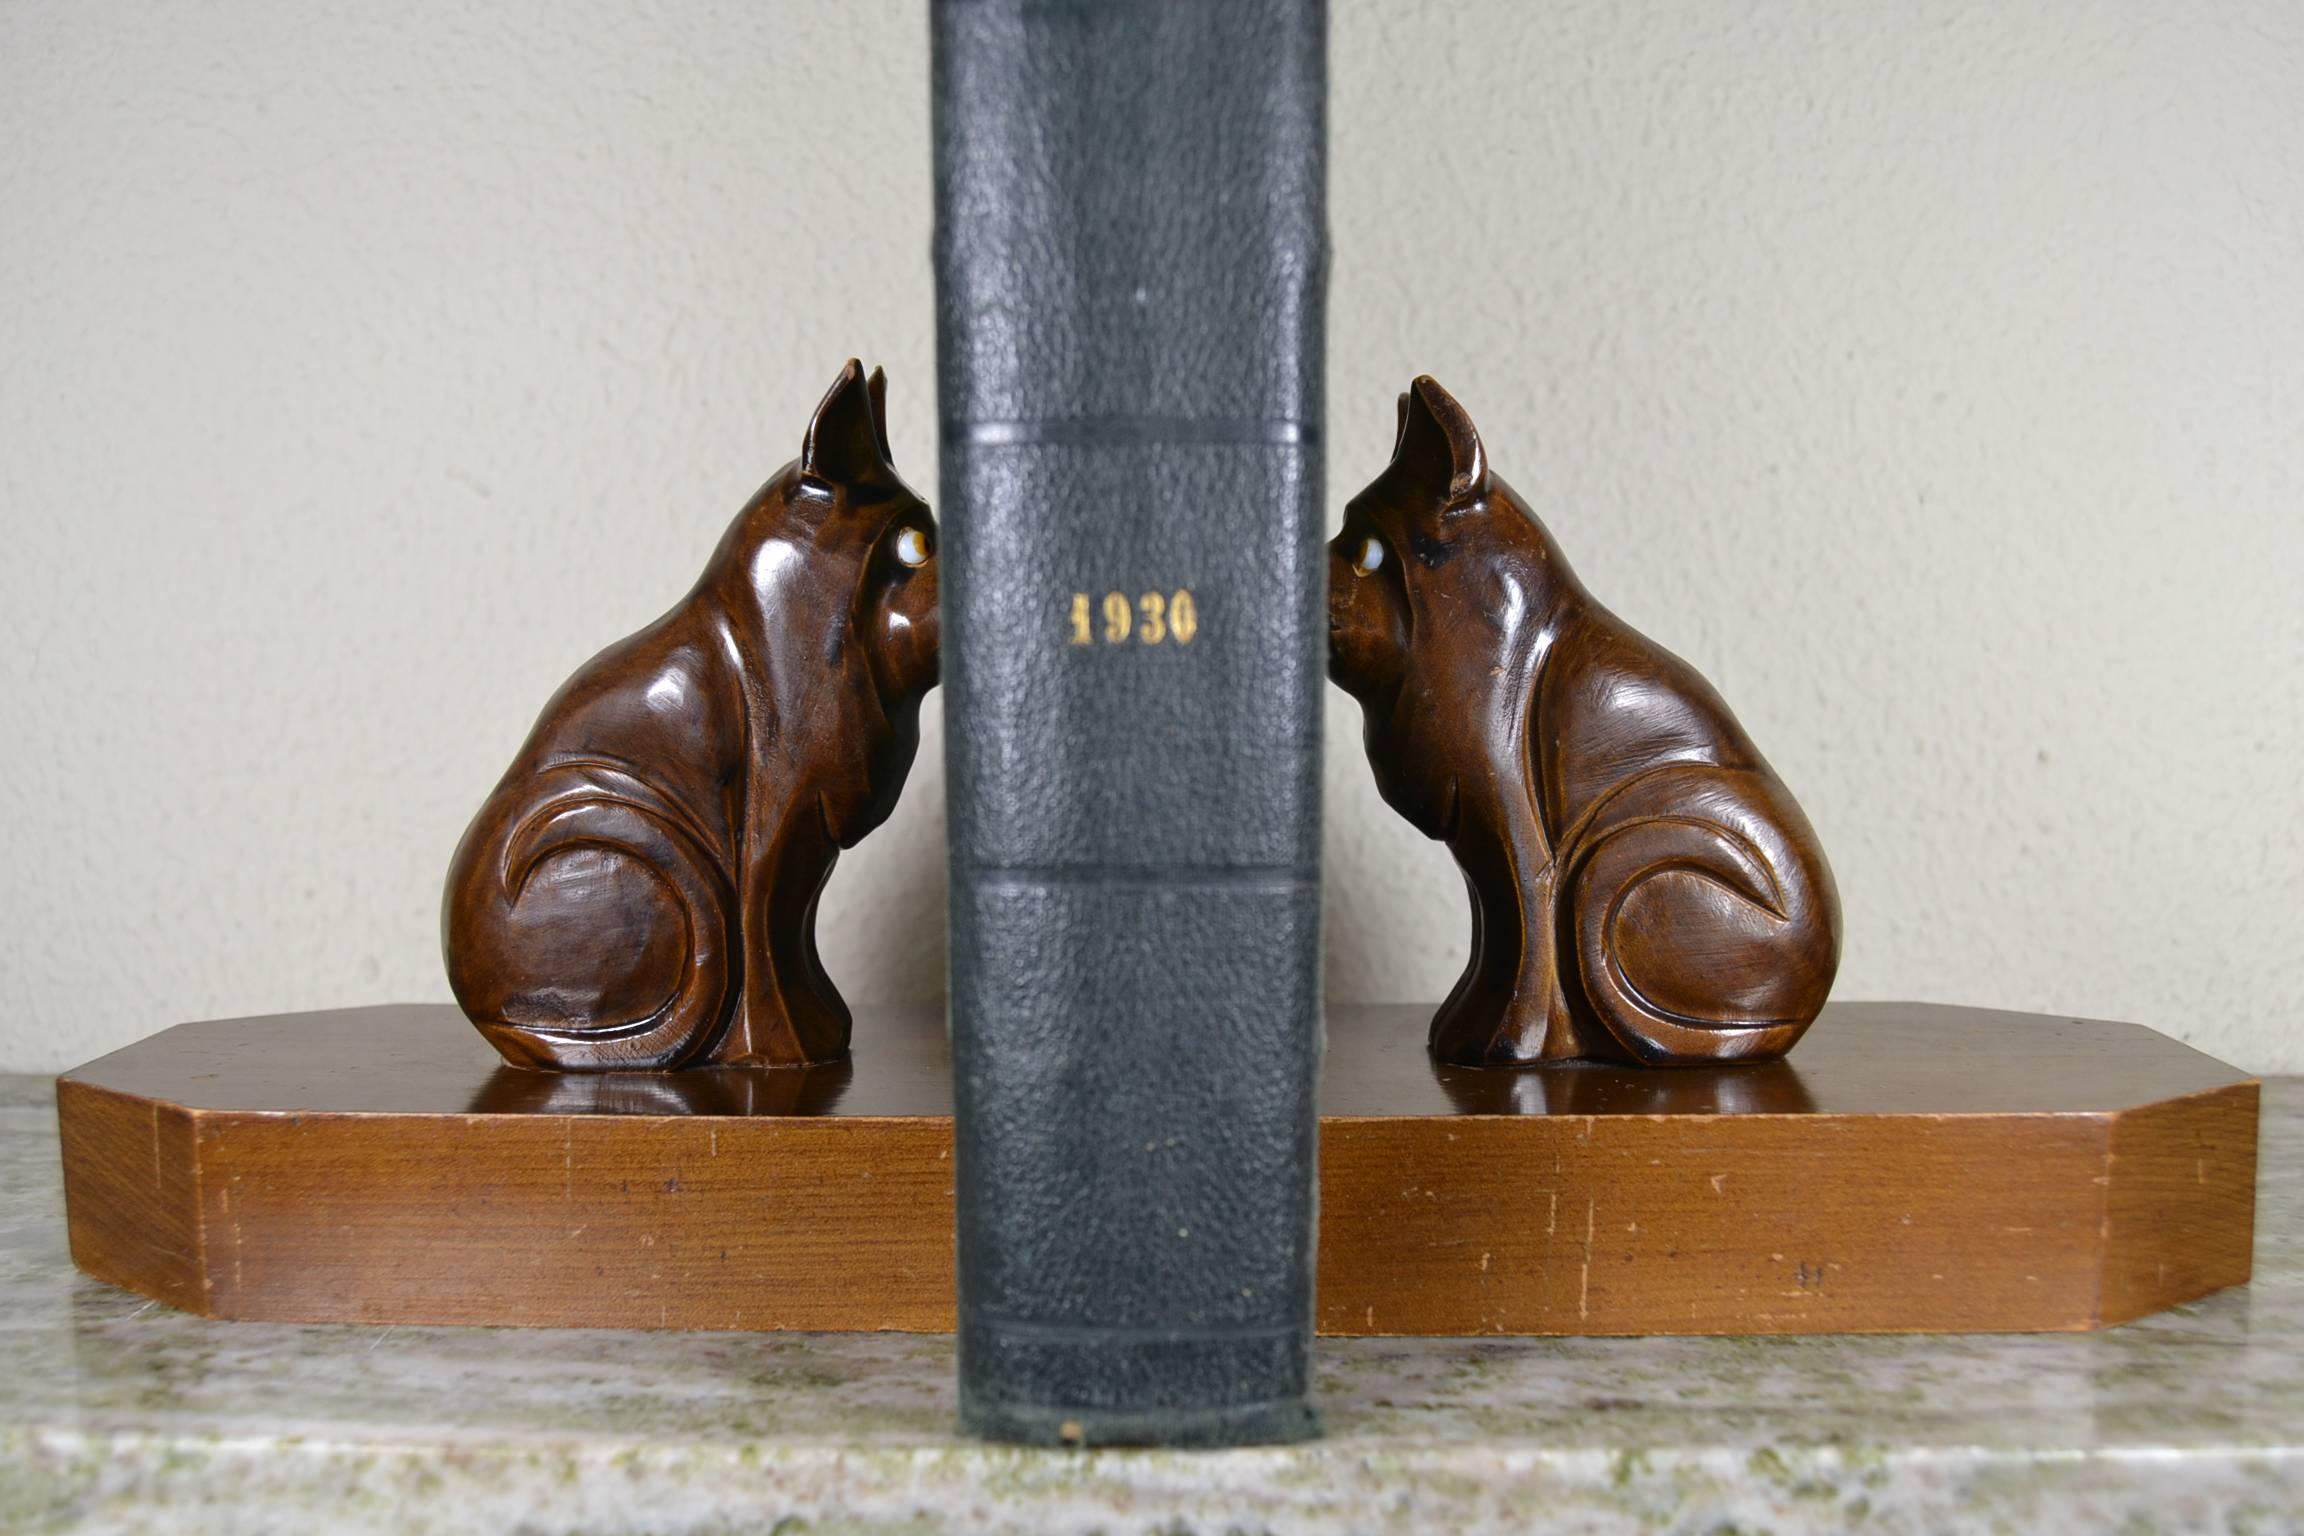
(811, 1090)
(1605, 1088)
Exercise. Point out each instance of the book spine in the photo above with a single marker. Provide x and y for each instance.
(1130, 262)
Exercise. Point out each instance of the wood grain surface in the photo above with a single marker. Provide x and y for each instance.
(1917, 1169)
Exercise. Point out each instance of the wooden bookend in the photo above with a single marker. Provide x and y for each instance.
(1644, 888)
(639, 891)
(1912, 1169)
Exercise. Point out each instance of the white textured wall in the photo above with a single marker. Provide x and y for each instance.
(1932, 376)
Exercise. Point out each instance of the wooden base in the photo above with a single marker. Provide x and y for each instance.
(1913, 1169)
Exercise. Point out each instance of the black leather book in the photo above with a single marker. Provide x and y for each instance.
(1130, 259)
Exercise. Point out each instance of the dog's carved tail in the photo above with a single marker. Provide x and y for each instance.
(507, 987)
(1701, 915)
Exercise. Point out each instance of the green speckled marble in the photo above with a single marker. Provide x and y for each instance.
(120, 1415)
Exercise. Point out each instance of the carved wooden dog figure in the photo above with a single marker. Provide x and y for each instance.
(1643, 886)
(640, 889)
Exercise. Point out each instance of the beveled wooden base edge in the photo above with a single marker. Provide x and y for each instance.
(2180, 1201)
(131, 1221)
(1448, 1225)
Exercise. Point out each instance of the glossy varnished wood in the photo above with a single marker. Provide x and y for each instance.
(639, 890)
(1916, 1168)
(1644, 888)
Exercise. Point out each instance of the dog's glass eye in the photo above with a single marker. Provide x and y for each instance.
(912, 547)
(1371, 556)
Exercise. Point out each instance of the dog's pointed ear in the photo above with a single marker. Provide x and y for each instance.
(1399, 423)
(843, 444)
(1439, 448)
(877, 387)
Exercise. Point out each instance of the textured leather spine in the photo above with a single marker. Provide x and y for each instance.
(1130, 259)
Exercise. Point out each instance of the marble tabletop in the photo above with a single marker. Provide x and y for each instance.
(117, 1414)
